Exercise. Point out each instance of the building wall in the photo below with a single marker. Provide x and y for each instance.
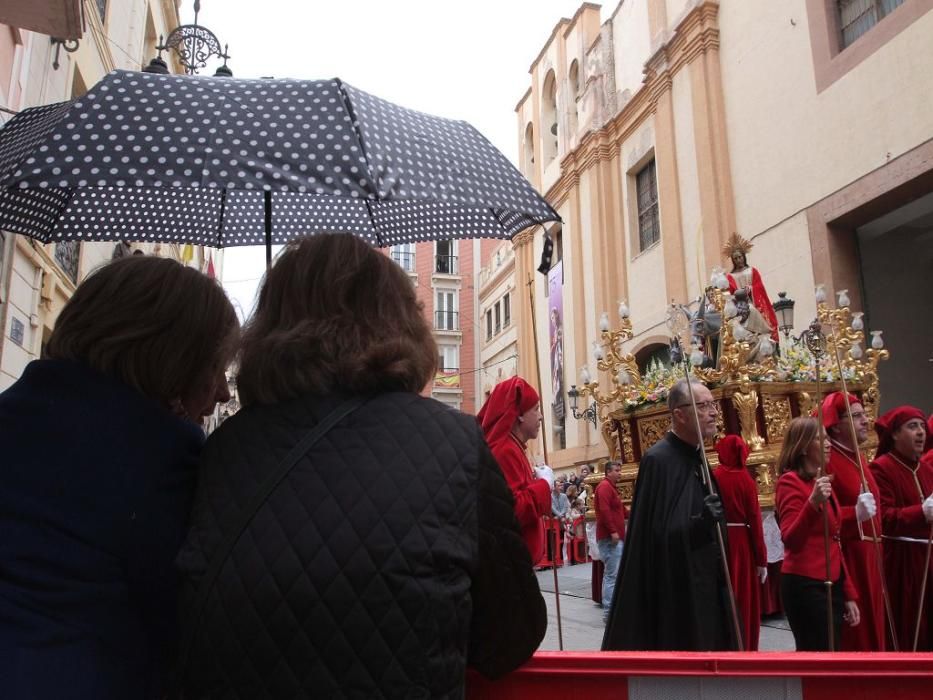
(754, 126)
(498, 352)
(428, 281)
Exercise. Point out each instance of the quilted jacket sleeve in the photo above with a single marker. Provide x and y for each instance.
(509, 614)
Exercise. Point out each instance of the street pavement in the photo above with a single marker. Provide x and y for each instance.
(582, 619)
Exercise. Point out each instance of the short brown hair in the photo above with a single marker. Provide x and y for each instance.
(334, 314)
(797, 438)
(160, 327)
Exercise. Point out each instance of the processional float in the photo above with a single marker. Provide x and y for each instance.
(758, 393)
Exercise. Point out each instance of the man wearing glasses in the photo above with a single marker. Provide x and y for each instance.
(670, 590)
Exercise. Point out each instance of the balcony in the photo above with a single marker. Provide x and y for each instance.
(448, 378)
(405, 260)
(446, 321)
(445, 265)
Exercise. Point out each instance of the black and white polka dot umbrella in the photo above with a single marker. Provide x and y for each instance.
(224, 162)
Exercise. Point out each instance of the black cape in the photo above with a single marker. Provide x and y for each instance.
(670, 591)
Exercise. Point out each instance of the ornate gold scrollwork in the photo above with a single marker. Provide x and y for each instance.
(804, 403)
(652, 429)
(777, 416)
(628, 450)
(610, 433)
(746, 405)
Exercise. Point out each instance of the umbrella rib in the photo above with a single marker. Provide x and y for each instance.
(348, 105)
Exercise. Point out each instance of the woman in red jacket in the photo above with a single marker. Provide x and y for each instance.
(800, 499)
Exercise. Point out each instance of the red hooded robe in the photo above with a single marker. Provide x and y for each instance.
(859, 549)
(508, 401)
(746, 538)
(904, 484)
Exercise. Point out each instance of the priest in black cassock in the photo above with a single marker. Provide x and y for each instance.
(670, 590)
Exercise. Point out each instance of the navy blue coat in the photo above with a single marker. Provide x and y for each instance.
(96, 483)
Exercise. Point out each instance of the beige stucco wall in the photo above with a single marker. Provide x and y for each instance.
(631, 45)
(791, 146)
(696, 267)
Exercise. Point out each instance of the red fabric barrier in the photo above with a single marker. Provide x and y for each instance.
(809, 676)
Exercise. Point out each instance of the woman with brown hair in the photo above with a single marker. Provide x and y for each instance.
(800, 499)
(102, 438)
(350, 537)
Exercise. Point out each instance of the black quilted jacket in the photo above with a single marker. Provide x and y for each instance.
(386, 562)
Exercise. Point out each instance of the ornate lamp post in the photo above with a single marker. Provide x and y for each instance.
(194, 45)
(590, 412)
(784, 310)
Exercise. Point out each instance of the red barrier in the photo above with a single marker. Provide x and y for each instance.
(689, 676)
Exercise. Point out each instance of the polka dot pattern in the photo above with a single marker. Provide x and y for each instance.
(187, 158)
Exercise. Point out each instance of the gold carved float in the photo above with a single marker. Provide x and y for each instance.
(756, 400)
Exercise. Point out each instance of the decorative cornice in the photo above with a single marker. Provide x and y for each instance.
(523, 238)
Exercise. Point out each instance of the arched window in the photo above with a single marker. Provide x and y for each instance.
(529, 150)
(549, 119)
(573, 97)
(656, 353)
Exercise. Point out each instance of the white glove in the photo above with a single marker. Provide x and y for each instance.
(762, 573)
(865, 507)
(546, 473)
(928, 509)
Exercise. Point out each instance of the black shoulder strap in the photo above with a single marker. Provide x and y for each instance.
(262, 495)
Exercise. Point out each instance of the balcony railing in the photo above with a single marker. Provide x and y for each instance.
(446, 321)
(448, 378)
(405, 259)
(445, 264)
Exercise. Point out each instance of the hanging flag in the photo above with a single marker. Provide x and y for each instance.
(210, 267)
(187, 253)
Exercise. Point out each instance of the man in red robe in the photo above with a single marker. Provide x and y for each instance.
(906, 512)
(861, 524)
(748, 558)
(610, 530)
(510, 418)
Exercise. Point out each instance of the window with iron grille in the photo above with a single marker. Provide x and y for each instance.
(404, 255)
(102, 9)
(488, 324)
(646, 186)
(858, 16)
(506, 311)
(498, 326)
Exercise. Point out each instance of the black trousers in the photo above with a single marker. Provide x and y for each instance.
(805, 604)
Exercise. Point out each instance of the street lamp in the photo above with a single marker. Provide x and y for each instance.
(784, 310)
(589, 414)
(194, 45)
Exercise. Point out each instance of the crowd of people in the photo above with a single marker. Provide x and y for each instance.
(340, 536)
(856, 535)
(141, 561)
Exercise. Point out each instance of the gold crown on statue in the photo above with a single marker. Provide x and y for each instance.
(736, 243)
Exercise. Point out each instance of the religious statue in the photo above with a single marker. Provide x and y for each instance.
(755, 319)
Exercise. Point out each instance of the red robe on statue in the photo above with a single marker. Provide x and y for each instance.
(746, 538)
(904, 485)
(859, 551)
(760, 297)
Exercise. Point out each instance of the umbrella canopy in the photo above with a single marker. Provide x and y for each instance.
(224, 162)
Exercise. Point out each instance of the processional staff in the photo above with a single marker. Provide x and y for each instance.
(815, 342)
(864, 479)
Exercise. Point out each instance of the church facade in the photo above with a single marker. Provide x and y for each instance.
(659, 131)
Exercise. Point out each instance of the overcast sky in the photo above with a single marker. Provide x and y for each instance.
(455, 59)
